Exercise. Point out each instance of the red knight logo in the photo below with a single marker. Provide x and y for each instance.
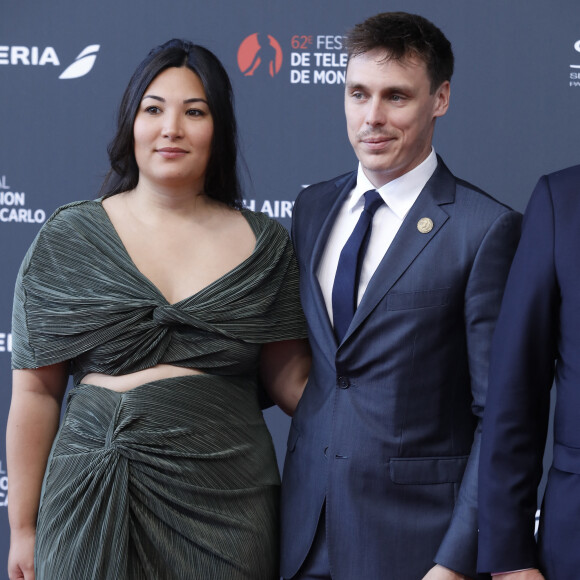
(260, 54)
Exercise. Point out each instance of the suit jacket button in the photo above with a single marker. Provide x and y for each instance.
(343, 382)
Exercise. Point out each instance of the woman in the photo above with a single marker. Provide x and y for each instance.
(169, 305)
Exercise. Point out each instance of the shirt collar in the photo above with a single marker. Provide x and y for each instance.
(399, 194)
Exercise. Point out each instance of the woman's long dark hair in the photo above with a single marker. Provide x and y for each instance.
(221, 178)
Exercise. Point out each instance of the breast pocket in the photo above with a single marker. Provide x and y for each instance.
(566, 458)
(421, 299)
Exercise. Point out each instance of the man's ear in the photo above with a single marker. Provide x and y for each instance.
(442, 95)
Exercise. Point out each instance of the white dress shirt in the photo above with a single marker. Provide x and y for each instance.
(399, 195)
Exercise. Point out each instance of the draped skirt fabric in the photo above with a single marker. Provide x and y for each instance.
(175, 479)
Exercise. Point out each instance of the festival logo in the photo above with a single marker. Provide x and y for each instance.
(260, 55)
(37, 56)
(315, 59)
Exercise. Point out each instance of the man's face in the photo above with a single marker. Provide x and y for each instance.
(390, 113)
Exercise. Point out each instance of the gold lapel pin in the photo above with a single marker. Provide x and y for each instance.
(425, 225)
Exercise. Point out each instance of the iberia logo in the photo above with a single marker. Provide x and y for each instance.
(260, 54)
(83, 63)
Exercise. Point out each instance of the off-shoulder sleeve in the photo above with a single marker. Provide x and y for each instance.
(22, 351)
(41, 294)
(283, 318)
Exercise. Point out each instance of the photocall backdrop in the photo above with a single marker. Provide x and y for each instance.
(64, 64)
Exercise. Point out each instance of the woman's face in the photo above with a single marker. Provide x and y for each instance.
(173, 131)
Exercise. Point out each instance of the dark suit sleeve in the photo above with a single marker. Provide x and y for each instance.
(483, 295)
(521, 375)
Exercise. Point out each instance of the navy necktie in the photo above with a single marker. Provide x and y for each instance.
(346, 281)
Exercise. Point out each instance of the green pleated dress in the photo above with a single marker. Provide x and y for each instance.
(177, 478)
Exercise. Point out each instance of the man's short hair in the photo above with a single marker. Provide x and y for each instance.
(402, 35)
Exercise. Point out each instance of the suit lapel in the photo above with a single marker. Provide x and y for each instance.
(409, 241)
(328, 203)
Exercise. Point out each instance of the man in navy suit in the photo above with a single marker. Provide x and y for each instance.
(380, 480)
(537, 339)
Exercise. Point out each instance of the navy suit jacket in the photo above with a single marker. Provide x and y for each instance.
(387, 431)
(537, 340)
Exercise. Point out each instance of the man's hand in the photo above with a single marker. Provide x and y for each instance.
(441, 573)
(532, 574)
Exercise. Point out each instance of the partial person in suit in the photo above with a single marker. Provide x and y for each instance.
(380, 480)
(537, 339)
